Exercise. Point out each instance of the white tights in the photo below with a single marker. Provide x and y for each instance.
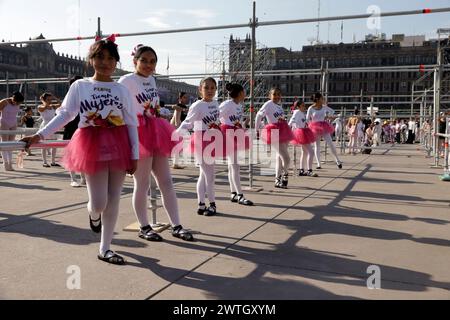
(7, 155)
(329, 141)
(306, 159)
(206, 182)
(159, 166)
(283, 159)
(44, 155)
(104, 190)
(234, 174)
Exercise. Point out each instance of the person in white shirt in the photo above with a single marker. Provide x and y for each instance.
(338, 128)
(316, 118)
(277, 134)
(206, 142)
(9, 108)
(179, 111)
(48, 111)
(412, 129)
(377, 133)
(106, 145)
(157, 140)
(236, 139)
(303, 137)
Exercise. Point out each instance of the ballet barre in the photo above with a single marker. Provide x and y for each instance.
(19, 145)
(19, 131)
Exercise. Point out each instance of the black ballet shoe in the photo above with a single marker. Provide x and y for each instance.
(95, 228)
(147, 233)
(112, 258)
(244, 202)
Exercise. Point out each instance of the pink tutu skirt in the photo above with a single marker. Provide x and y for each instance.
(93, 149)
(156, 137)
(303, 136)
(321, 128)
(235, 139)
(207, 144)
(285, 133)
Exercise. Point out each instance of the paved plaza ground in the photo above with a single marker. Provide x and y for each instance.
(315, 240)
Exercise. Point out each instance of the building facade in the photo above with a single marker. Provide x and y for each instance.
(40, 61)
(373, 52)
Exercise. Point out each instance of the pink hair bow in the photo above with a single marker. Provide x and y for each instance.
(111, 38)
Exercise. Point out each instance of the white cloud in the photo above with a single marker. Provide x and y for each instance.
(161, 19)
(157, 22)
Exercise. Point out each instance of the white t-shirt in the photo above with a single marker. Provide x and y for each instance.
(273, 113)
(314, 115)
(231, 113)
(338, 123)
(298, 120)
(144, 93)
(47, 116)
(412, 126)
(202, 116)
(98, 104)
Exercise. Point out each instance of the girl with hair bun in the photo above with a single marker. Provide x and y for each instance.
(206, 142)
(235, 137)
(316, 118)
(156, 142)
(278, 134)
(303, 137)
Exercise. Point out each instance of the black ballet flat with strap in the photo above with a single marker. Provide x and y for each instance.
(112, 258)
(183, 234)
(93, 224)
(245, 202)
(147, 233)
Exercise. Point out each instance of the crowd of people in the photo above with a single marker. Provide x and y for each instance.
(122, 127)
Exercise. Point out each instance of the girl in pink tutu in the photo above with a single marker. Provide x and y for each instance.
(206, 142)
(236, 139)
(106, 145)
(303, 137)
(316, 118)
(278, 134)
(155, 146)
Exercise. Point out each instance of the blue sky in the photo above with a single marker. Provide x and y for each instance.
(57, 19)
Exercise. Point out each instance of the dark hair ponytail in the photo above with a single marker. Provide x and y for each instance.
(234, 89)
(18, 97)
(316, 97)
(297, 104)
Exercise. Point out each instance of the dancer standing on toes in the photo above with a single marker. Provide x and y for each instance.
(304, 137)
(48, 111)
(9, 108)
(278, 134)
(156, 144)
(236, 139)
(316, 118)
(106, 145)
(206, 142)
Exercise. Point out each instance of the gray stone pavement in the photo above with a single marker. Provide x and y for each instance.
(315, 240)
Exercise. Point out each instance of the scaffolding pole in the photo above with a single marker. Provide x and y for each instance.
(254, 25)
